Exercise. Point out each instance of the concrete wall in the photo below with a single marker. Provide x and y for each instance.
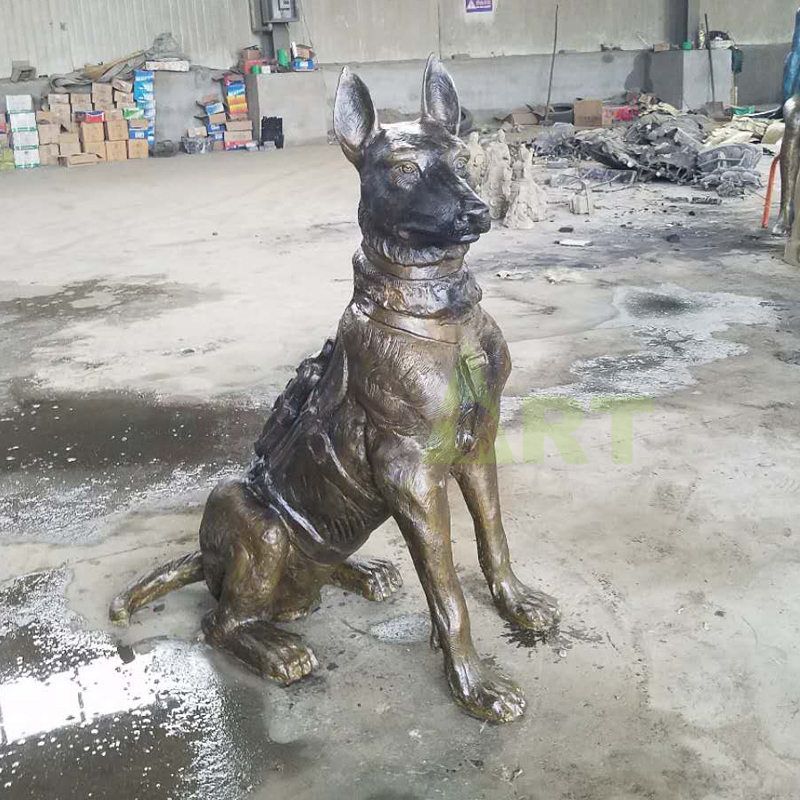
(388, 30)
(761, 22)
(761, 80)
(489, 85)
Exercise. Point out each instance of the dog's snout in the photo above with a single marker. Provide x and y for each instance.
(476, 214)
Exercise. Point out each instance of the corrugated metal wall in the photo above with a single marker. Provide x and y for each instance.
(61, 35)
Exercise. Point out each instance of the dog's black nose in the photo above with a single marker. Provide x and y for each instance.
(476, 214)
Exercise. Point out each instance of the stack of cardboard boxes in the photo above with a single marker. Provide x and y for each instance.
(145, 98)
(226, 125)
(82, 128)
(238, 126)
(6, 153)
(213, 119)
(23, 141)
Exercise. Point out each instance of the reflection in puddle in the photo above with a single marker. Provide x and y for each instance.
(81, 718)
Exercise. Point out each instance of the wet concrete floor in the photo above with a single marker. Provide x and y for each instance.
(130, 385)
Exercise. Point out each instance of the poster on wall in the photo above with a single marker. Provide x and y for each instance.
(474, 6)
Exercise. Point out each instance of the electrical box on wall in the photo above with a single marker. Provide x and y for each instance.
(279, 11)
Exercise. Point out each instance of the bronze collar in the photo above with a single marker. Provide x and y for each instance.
(410, 273)
(424, 327)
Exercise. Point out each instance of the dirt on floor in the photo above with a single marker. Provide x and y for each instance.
(650, 450)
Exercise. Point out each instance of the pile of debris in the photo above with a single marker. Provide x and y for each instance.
(681, 148)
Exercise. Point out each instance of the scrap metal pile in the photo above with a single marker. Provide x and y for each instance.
(662, 146)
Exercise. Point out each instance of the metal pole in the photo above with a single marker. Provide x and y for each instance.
(710, 62)
(552, 67)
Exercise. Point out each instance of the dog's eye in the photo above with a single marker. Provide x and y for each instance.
(407, 167)
(461, 164)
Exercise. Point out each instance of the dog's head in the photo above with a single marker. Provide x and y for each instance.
(414, 191)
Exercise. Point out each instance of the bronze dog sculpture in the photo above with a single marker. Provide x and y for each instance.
(405, 396)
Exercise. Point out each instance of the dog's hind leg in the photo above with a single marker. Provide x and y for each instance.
(515, 601)
(246, 551)
(416, 492)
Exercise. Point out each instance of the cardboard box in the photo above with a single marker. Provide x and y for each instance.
(236, 139)
(57, 99)
(116, 151)
(140, 133)
(27, 158)
(138, 148)
(68, 138)
(122, 86)
(62, 115)
(244, 125)
(81, 102)
(250, 53)
(98, 148)
(49, 133)
(24, 139)
(46, 118)
(114, 114)
(123, 98)
(22, 121)
(140, 124)
(69, 148)
(16, 103)
(196, 132)
(588, 113)
(216, 119)
(91, 132)
(78, 160)
(213, 108)
(102, 90)
(132, 113)
(91, 116)
(116, 130)
(48, 154)
(521, 116)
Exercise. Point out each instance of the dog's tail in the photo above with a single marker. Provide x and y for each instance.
(162, 580)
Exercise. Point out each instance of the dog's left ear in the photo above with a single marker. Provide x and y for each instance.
(439, 96)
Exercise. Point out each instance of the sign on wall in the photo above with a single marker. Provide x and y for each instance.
(474, 6)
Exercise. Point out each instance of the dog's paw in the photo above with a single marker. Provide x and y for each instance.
(373, 578)
(485, 693)
(526, 608)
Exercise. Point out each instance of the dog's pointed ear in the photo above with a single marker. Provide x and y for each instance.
(439, 96)
(354, 119)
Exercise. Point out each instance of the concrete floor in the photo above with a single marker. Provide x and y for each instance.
(151, 312)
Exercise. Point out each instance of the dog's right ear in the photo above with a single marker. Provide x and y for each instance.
(354, 119)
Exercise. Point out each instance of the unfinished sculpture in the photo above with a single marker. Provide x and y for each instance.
(496, 183)
(790, 148)
(477, 161)
(405, 396)
(527, 200)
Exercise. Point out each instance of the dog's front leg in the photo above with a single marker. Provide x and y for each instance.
(416, 492)
(515, 601)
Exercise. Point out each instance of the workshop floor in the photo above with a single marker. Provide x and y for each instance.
(151, 312)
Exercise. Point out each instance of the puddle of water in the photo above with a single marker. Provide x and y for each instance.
(675, 329)
(559, 639)
(95, 298)
(80, 716)
(92, 455)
